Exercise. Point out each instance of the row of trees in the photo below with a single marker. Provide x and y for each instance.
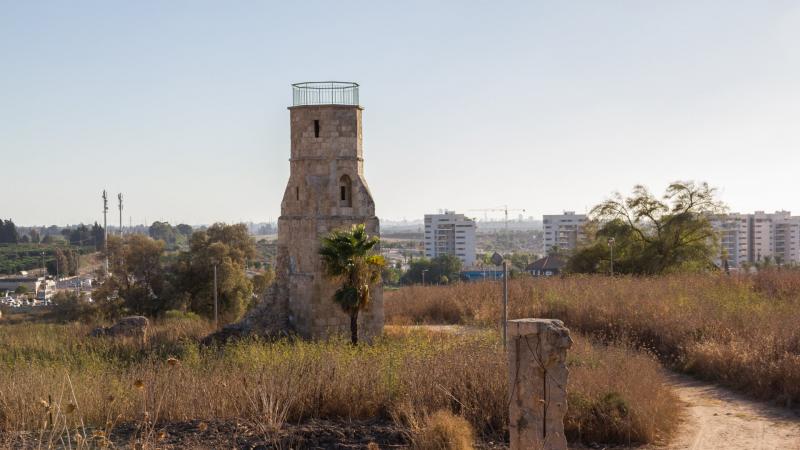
(144, 279)
(64, 262)
(440, 270)
(83, 235)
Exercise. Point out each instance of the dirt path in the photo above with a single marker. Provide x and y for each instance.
(717, 419)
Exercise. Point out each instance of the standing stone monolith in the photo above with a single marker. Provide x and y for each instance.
(537, 354)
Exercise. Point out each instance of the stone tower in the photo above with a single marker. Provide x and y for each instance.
(326, 191)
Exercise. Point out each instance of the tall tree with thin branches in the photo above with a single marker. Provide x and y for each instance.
(349, 257)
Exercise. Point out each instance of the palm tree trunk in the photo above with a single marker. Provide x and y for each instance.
(354, 327)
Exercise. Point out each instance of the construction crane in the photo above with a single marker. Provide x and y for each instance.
(505, 211)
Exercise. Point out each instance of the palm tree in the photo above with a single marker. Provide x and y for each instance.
(348, 257)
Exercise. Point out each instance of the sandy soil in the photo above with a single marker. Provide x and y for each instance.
(718, 419)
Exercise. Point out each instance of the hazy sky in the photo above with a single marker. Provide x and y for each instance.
(181, 105)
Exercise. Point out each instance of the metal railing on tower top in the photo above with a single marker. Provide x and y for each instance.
(325, 93)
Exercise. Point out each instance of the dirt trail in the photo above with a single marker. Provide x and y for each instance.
(718, 419)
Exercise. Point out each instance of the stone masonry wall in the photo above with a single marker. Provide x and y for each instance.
(312, 208)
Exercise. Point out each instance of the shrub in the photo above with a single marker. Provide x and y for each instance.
(174, 314)
(443, 430)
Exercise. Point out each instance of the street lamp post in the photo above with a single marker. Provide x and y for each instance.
(611, 242)
(423, 276)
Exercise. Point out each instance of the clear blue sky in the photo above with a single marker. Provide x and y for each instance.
(181, 105)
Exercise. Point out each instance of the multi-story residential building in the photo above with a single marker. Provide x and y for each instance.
(450, 234)
(563, 231)
(751, 238)
(734, 236)
(785, 237)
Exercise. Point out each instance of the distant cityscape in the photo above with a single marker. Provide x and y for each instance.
(745, 239)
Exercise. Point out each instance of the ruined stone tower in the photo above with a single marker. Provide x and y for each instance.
(326, 191)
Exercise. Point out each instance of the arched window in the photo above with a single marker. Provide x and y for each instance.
(345, 191)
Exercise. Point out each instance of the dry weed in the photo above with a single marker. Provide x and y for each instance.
(443, 430)
(740, 330)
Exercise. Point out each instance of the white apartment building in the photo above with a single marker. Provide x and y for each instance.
(750, 238)
(734, 237)
(776, 235)
(563, 231)
(450, 234)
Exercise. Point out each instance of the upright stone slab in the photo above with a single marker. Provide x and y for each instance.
(537, 353)
(326, 191)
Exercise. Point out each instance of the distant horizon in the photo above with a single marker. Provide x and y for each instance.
(383, 220)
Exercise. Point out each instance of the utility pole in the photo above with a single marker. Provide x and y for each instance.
(505, 302)
(611, 242)
(497, 259)
(105, 226)
(216, 307)
(119, 197)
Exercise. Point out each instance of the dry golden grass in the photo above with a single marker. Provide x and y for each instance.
(739, 330)
(46, 368)
(443, 430)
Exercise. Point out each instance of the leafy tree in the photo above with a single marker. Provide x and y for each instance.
(520, 261)
(21, 290)
(229, 247)
(448, 266)
(651, 235)
(65, 262)
(25, 239)
(8, 232)
(69, 306)
(98, 236)
(137, 280)
(34, 235)
(348, 257)
(261, 282)
(184, 229)
(162, 231)
(390, 275)
(83, 235)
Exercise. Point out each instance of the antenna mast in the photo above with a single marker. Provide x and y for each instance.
(105, 226)
(119, 197)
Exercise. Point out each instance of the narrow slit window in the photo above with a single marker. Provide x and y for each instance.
(316, 128)
(297, 193)
(345, 191)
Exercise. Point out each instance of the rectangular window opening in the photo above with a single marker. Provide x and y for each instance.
(316, 128)
(297, 193)
(342, 193)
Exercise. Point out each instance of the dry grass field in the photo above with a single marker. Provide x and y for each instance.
(742, 331)
(60, 387)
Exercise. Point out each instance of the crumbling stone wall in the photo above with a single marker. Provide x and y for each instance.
(537, 352)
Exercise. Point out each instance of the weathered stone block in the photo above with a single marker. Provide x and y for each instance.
(537, 351)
